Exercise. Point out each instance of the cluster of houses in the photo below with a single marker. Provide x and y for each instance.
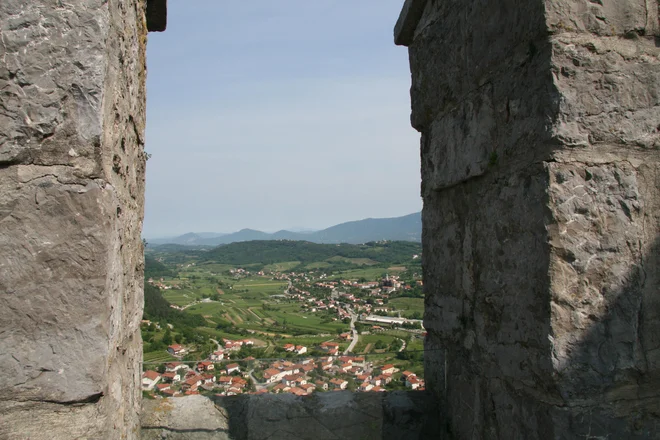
(179, 379)
(222, 353)
(370, 299)
(328, 373)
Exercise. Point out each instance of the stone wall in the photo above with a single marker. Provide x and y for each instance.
(72, 115)
(540, 159)
(320, 416)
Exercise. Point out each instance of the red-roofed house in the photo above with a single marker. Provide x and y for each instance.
(279, 388)
(272, 375)
(205, 366)
(406, 374)
(171, 377)
(169, 392)
(224, 380)
(176, 350)
(218, 356)
(233, 367)
(413, 383)
(192, 383)
(308, 387)
(366, 386)
(289, 347)
(327, 346)
(297, 391)
(149, 379)
(339, 384)
(208, 378)
(174, 366)
(388, 369)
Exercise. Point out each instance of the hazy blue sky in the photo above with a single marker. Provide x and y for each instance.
(277, 114)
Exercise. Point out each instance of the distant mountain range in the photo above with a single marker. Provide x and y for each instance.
(406, 228)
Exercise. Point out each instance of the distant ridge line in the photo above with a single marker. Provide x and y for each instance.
(405, 228)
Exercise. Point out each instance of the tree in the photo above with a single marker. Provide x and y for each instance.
(167, 337)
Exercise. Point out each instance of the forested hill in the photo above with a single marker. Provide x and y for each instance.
(155, 269)
(269, 252)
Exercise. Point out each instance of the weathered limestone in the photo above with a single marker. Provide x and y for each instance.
(72, 115)
(541, 222)
(321, 416)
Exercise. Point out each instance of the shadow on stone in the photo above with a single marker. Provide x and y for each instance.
(320, 416)
(333, 415)
(610, 379)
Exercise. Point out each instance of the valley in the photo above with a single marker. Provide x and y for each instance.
(343, 312)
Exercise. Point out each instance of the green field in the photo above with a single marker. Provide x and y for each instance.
(408, 304)
(318, 265)
(158, 356)
(282, 267)
(355, 261)
(365, 340)
(262, 285)
(371, 273)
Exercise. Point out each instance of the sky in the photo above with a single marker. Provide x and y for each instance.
(277, 115)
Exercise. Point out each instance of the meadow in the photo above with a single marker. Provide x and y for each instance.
(408, 304)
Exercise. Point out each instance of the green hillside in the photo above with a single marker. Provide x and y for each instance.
(263, 252)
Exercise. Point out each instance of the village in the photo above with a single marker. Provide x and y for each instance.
(220, 375)
(362, 308)
(368, 299)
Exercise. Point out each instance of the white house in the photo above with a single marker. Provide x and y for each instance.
(217, 356)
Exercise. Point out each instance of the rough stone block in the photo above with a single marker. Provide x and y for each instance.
(72, 87)
(540, 165)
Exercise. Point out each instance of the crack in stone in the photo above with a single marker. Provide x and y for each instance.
(185, 430)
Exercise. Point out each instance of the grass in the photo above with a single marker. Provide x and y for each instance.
(282, 267)
(396, 269)
(181, 297)
(318, 265)
(207, 309)
(355, 261)
(158, 356)
(365, 340)
(309, 342)
(408, 304)
(262, 285)
(371, 273)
